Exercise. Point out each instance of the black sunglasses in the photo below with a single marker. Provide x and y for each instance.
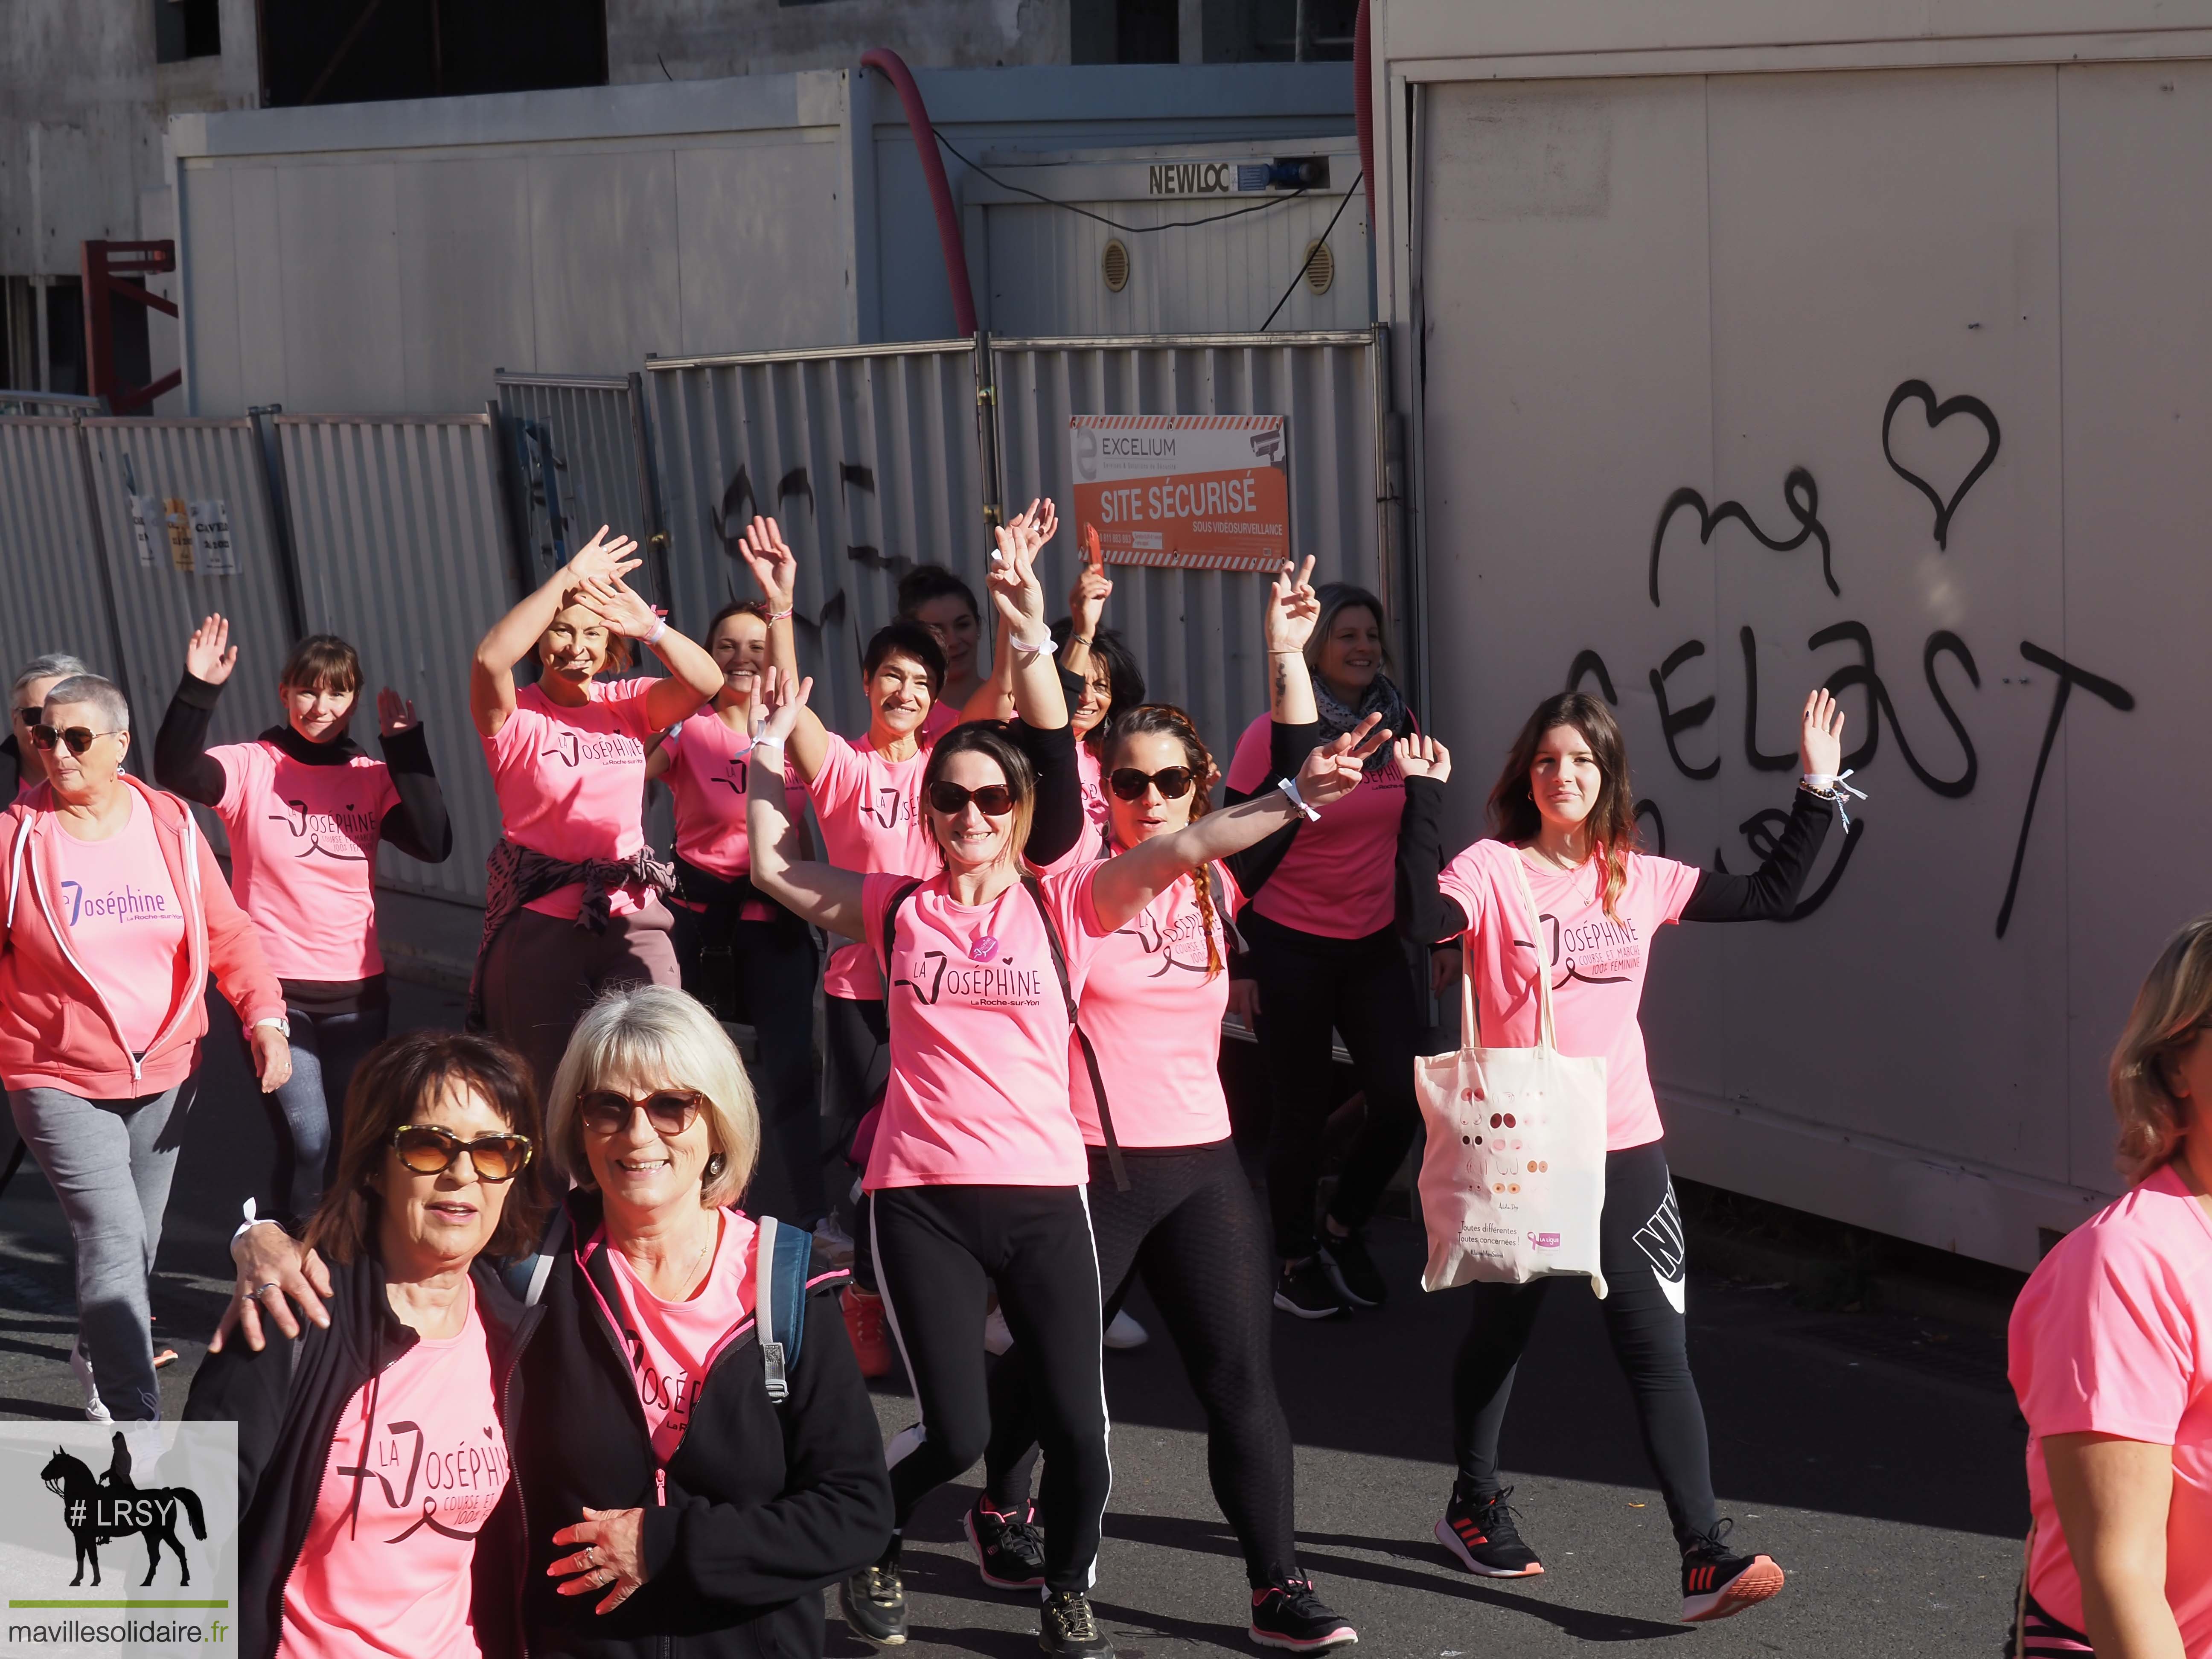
(429, 1149)
(78, 738)
(1173, 782)
(669, 1111)
(28, 717)
(992, 800)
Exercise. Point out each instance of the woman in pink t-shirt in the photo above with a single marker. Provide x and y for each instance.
(573, 899)
(377, 1511)
(1325, 950)
(306, 808)
(978, 1167)
(1150, 1006)
(1564, 817)
(741, 953)
(2112, 1357)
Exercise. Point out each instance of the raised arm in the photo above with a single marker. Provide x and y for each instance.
(513, 636)
(1129, 881)
(775, 572)
(181, 763)
(1770, 892)
(693, 676)
(1287, 624)
(820, 893)
(1019, 597)
(1086, 603)
(419, 825)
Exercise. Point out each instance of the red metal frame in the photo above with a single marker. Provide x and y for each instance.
(104, 263)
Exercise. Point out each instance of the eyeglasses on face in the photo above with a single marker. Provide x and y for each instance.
(28, 716)
(1173, 782)
(668, 1111)
(78, 738)
(992, 800)
(431, 1149)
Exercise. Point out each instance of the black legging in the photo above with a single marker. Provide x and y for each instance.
(1190, 1226)
(1364, 988)
(762, 974)
(934, 1248)
(1640, 1247)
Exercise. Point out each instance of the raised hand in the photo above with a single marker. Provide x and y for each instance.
(1086, 600)
(625, 610)
(1292, 608)
(1333, 769)
(1422, 756)
(209, 654)
(1013, 584)
(774, 565)
(777, 705)
(1821, 737)
(601, 558)
(394, 714)
(1040, 515)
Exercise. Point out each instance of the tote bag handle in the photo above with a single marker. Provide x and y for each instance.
(1470, 1022)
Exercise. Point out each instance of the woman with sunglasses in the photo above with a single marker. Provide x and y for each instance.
(864, 798)
(306, 808)
(677, 1509)
(377, 1510)
(978, 1169)
(1150, 1006)
(573, 897)
(26, 700)
(115, 914)
(742, 954)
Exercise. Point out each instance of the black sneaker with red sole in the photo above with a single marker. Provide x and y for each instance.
(1481, 1531)
(1290, 1617)
(1009, 1548)
(1717, 1582)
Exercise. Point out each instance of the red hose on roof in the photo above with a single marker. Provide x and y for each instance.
(893, 69)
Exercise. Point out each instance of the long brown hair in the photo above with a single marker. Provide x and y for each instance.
(400, 1076)
(1513, 814)
(1166, 720)
(2174, 1002)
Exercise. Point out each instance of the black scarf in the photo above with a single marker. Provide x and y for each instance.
(1383, 698)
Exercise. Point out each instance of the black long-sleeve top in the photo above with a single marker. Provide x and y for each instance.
(1768, 894)
(418, 826)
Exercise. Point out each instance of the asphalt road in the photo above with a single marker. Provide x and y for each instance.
(1877, 1458)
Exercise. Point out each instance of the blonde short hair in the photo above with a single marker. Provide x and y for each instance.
(2175, 1001)
(657, 1037)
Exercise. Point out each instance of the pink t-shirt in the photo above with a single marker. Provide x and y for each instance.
(871, 822)
(122, 917)
(1339, 879)
(1154, 1020)
(2112, 1335)
(706, 777)
(1597, 963)
(571, 782)
(941, 717)
(385, 1568)
(673, 1344)
(978, 1092)
(303, 856)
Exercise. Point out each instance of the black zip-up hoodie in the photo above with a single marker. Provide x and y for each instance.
(287, 1400)
(762, 1506)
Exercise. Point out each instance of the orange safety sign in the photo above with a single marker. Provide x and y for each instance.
(1204, 492)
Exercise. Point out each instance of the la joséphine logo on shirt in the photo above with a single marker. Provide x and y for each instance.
(121, 904)
(986, 980)
(1181, 945)
(1597, 951)
(449, 1490)
(341, 834)
(594, 749)
(889, 809)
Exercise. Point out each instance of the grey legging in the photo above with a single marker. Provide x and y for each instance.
(109, 1163)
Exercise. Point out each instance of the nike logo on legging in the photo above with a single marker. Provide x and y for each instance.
(1661, 1241)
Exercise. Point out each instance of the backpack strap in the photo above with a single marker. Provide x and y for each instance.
(782, 1256)
(899, 895)
(525, 1276)
(1090, 1054)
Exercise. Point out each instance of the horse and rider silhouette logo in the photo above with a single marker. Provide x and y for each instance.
(99, 1509)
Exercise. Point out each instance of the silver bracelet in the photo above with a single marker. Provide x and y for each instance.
(1289, 788)
(778, 615)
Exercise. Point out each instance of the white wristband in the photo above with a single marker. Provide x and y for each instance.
(659, 627)
(759, 743)
(1289, 788)
(250, 1222)
(283, 1027)
(1045, 645)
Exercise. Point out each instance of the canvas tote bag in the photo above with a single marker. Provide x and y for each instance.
(1513, 1177)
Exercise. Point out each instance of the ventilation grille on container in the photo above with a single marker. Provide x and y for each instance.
(1321, 267)
(1114, 264)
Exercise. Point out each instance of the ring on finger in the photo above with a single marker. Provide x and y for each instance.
(271, 1286)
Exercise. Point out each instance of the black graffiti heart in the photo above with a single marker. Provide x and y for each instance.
(1938, 413)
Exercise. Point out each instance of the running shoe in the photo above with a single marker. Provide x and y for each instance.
(1717, 1582)
(864, 1323)
(1290, 1616)
(1481, 1531)
(874, 1600)
(1306, 1290)
(1352, 1270)
(81, 1362)
(1009, 1548)
(1125, 1332)
(1068, 1627)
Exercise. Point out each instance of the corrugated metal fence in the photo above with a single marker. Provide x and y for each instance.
(587, 460)
(54, 592)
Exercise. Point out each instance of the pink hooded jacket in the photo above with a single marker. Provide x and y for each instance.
(56, 1030)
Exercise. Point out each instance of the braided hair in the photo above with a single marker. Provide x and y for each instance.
(1166, 720)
